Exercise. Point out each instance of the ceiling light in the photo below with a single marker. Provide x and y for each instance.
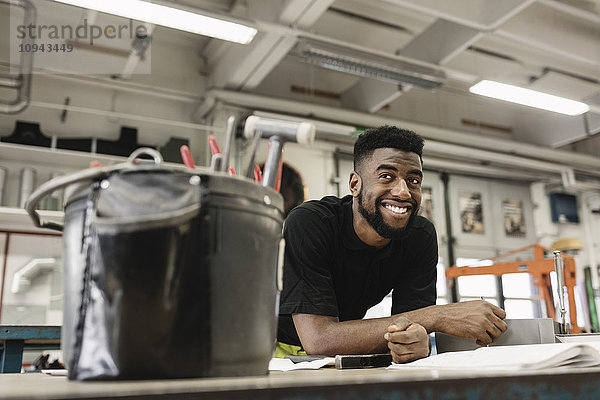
(528, 97)
(372, 66)
(170, 17)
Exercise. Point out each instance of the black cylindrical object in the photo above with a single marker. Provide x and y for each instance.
(170, 274)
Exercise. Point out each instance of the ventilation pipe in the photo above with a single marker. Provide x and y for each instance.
(22, 278)
(504, 151)
(22, 83)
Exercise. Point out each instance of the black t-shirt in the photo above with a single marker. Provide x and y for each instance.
(329, 271)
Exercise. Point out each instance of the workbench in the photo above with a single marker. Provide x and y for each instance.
(323, 384)
(15, 338)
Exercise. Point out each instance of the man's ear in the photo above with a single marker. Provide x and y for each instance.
(355, 183)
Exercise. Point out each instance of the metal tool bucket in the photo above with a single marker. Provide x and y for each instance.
(169, 273)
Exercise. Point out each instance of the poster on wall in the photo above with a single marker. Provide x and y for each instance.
(514, 223)
(471, 212)
(426, 209)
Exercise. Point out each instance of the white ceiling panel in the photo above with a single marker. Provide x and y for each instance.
(566, 86)
(484, 66)
(483, 13)
(366, 33)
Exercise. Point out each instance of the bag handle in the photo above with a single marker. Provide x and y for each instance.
(89, 175)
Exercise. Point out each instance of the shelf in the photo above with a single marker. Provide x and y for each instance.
(37, 155)
(46, 162)
(17, 219)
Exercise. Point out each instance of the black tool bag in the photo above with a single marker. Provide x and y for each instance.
(168, 273)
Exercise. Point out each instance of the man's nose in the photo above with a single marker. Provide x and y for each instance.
(401, 190)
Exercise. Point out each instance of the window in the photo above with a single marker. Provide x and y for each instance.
(441, 287)
(521, 298)
(476, 286)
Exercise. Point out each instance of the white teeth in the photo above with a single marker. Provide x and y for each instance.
(395, 209)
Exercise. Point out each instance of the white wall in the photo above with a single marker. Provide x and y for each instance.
(493, 239)
(40, 302)
(590, 201)
(317, 167)
(587, 230)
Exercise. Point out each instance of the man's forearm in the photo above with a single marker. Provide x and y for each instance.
(429, 317)
(327, 336)
(475, 319)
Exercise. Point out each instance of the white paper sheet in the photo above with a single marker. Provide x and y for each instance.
(533, 356)
(284, 364)
(55, 372)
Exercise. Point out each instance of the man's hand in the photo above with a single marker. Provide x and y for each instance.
(477, 320)
(407, 340)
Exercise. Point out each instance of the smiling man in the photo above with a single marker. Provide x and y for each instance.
(345, 255)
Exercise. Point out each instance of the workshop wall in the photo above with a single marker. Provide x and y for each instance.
(39, 300)
(481, 210)
(490, 214)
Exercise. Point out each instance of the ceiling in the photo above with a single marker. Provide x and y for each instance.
(440, 47)
(547, 45)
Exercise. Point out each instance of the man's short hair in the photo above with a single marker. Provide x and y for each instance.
(386, 137)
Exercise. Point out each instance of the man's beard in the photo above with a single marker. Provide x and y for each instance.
(377, 222)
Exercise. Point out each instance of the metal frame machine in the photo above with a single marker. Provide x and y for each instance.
(540, 268)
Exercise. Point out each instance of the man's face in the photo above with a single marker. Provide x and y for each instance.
(390, 192)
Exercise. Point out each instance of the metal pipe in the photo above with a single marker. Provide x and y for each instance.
(229, 136)
(272, 162)
(559, 267)
(10, 82)
(26, 64)
(133, 117)
(487, 155)
(253, 148)
(471, 168)
(450, 237)
(128, 86)
(433, 134)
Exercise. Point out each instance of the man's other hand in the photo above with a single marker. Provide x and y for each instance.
(407, 341)
(476, 319)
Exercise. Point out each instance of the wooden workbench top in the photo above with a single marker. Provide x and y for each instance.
(323, 384)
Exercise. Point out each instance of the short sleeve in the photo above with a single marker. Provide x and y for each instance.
(307, 282)
(416, 285)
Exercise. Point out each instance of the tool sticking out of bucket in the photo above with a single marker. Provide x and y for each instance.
(220, 161)
(278, 132)
(559, 267)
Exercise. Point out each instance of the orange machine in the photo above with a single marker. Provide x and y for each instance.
(539, 268)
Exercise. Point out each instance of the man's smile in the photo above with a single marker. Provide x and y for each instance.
(398, 209)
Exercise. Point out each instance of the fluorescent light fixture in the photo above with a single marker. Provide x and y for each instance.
(170, 17)
(372, 66)
(528, 97)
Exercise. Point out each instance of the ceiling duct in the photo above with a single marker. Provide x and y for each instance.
(367, 65)
(21, 83)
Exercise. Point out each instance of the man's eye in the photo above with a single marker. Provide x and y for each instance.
(414, 181)
(385, 176)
